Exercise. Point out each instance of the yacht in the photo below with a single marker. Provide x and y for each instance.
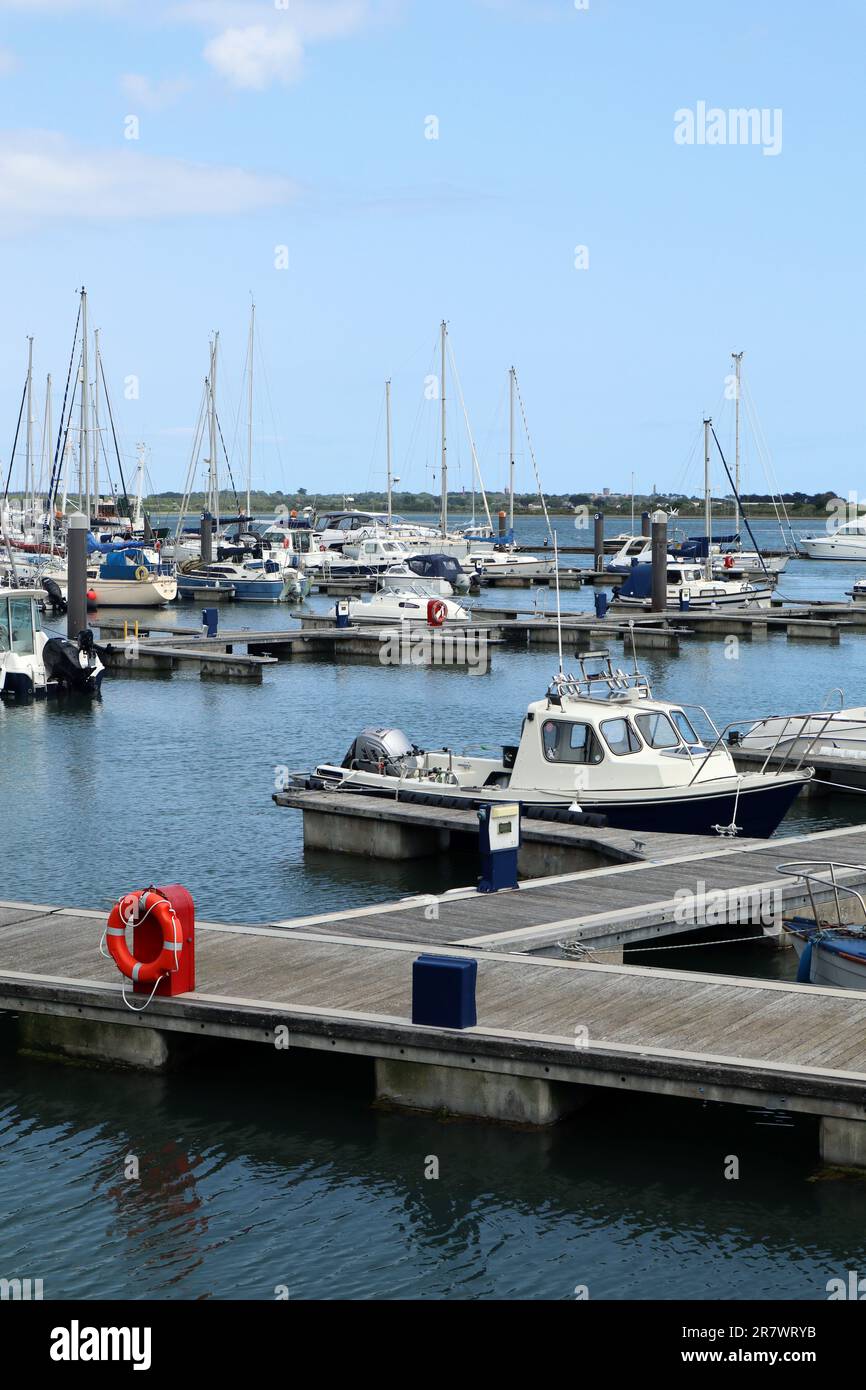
(33, 664)
(846, 542)
(599, 742)
(253, 581)
(416, 603)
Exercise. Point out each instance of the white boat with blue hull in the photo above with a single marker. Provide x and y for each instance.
(831, 953)
(598, 743)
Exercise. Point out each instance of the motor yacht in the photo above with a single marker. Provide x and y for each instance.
(33, 664)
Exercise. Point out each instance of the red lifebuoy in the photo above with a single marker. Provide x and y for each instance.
(132, 909)
(436, 612)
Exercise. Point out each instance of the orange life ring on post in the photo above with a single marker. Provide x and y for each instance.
(132, 909)
(436, 612)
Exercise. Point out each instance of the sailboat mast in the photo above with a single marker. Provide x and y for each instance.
(46, 452)
(511, 452)
(250, 411)
(708, 505)
(84, 437)
(213, 483)
(443, 518)
(29, 485)
(96, 435)
(388, 442)
(738, 358)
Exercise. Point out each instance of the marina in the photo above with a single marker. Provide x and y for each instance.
(432, 676)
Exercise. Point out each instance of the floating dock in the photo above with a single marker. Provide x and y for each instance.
(549, 1031)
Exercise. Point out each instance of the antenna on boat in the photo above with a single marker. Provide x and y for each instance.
(633, 647)
(558, 609)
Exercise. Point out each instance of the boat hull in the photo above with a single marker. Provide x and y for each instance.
(757, 812)
(827, 967)
(155, 592)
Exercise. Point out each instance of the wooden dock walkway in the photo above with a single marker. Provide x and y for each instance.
(548, 1031)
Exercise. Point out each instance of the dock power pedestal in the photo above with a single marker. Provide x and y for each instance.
(499, 846)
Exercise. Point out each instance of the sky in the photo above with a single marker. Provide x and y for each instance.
(536, 172)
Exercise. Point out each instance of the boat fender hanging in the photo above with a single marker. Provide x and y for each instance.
(436, 612)
(131, 909)
(142, 573)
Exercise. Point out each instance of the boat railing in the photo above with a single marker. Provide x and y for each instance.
(583, 685)
(810, 871)
(793, 728)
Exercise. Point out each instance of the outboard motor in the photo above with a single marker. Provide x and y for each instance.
(55, 596)
(73, 666)
(379, 750)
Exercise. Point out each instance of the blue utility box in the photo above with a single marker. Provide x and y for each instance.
(601, 605)
(342, 612)
(210, 620)
(499, 845)
(443, 991)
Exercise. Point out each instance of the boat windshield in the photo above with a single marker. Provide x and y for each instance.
(684, 726)
(657, 730)
(620, 737)
(565, 741)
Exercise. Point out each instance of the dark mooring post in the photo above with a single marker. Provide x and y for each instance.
(206, 538)
(645, 523)
(76, 575)
(659, 562)
(598, 541)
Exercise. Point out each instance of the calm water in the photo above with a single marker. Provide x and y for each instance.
(245, 1187)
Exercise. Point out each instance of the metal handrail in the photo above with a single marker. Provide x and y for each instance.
(764, 719)
(793, 868)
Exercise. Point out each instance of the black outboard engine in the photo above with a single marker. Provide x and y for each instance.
(379, 750)
(55, 596)
(73, 666)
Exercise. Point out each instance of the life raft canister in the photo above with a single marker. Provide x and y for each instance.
(132, 910)
(436, 612)
(729, 562)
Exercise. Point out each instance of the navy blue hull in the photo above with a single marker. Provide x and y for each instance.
(758, 813)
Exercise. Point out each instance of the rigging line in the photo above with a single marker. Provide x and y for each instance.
(416, 425)
(263, 371)
(768, 465)
(746, 522)
(475, 463)
(532, 456)
(61, 433)
(15, 442)
(113, 435)
(189, 483)
(226, 457)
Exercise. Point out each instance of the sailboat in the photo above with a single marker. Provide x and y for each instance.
(689, 584)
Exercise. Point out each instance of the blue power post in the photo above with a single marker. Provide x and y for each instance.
(342, 612)
(499, 846)
(210, 620)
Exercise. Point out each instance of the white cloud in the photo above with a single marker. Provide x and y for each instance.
(44, 175)
(256, 56)
(151, 95)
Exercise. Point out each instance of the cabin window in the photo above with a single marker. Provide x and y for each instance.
(674, 577)
(22, 626)
(657, 730)
(567, 742)
(4, 625)
(684, 726)
(620, 737)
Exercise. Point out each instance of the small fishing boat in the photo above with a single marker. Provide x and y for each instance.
(830, 953)
(599, 743)
(33, 664)
(688, 587)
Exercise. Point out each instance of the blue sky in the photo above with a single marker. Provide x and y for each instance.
(304, 127)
